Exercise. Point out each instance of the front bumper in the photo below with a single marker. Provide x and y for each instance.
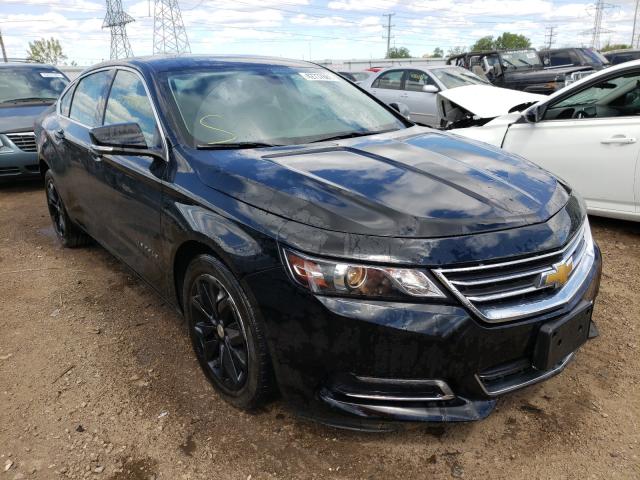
(18, 164)
(369, 364)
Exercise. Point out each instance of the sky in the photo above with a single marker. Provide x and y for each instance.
(312, 29)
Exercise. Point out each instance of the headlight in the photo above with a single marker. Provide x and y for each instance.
(338, 278)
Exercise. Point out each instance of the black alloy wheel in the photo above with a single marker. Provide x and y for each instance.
(69, 234)
(227, 334)
(220, 341)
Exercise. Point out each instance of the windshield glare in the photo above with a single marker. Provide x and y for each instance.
(457, 77)
(520, 59)
(273, 105)
(30, 83)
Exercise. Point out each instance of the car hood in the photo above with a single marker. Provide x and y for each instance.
(20, 118)
(415, 182)
(543, 75)
(485, 101)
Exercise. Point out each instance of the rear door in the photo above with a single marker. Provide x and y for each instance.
(72, 141)
(421, 104)
(388, 87)
(129, 187)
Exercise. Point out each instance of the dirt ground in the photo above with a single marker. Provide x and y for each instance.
(97, 380)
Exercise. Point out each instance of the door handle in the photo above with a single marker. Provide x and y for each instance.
(619, 139)
(404, 95)
(59, 134)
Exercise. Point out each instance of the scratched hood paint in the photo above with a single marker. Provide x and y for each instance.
(411, 183)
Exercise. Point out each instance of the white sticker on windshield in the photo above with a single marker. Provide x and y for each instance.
(531, 55)
(51, 75)
(319, 76)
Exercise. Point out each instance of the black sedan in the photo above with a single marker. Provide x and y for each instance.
(319, 244)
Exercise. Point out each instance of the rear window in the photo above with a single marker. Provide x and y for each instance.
(23, 84)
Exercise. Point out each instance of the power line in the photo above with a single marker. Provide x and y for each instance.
(389, 15)
(116, 19)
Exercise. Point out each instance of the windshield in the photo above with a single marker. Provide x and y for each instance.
(22, 84)
(595, 57)
(453, 77)
(269, 104)
(520, 59)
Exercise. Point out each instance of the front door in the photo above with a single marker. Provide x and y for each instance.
(422, 105)
(130, 187)
(591, 138)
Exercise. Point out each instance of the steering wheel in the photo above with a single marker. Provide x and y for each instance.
(583, 113)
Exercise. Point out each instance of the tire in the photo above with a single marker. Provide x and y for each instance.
(69, 234)
(226, 334)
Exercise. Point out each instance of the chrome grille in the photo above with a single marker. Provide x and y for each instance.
(25, 141)
(516, 289)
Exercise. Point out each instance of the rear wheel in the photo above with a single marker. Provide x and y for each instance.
(226, 334)
(69, 234)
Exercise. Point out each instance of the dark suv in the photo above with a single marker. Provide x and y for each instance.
(26, 90)
(319, 244)
(518, 70)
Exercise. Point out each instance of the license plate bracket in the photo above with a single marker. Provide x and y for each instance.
(558, 338)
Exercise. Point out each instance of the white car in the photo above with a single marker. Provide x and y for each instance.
(416, 87)
(587, 133)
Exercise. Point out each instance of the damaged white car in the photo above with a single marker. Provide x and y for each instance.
(587, 133)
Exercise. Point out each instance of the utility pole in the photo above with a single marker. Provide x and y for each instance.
(389, 15)
(550, 35)
(634, 37)
(4, 52)
(169, 34)
(116, 19)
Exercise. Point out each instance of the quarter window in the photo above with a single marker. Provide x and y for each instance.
(88, 100)
(389, 80)
(65, 102)
(128, 103)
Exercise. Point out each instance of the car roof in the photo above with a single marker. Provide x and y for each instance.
(161, 63)
(622, 50)
(26, 65)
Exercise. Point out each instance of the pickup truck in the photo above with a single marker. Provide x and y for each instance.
(517, 70)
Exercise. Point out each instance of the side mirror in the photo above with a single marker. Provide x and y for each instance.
(533, 114)
(120, 139)
(497, 70)
(120, 136)
(402, 109)
(430, 89)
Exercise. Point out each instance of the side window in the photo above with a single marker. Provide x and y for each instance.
(128, 103)
(562, 57)
(88, 99)
(614, 97)
(389, 80)
(65, 102)
(416, 80)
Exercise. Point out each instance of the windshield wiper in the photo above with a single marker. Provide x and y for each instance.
(235, 146)
(350, 135)
(30, 99)
(525, 62)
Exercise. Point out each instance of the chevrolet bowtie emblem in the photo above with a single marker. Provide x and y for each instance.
(557, 277)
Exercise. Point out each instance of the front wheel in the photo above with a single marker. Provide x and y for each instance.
(227, 336)
(69, 234)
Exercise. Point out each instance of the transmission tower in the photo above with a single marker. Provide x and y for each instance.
(169, 34)
(116, 19)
